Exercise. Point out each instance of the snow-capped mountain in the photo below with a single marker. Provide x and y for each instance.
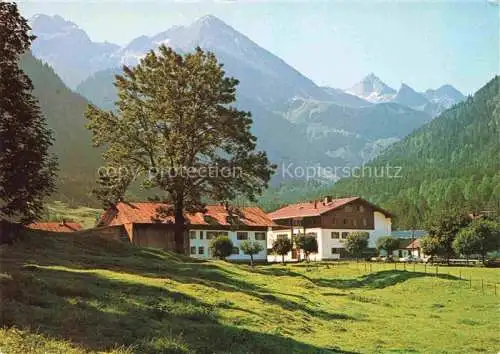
(263, 76)
(433, 102)
(294, 119)
(372, 89)
(446, 96)
(68, 49)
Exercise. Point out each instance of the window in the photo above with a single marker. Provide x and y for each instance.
(193, 250)
(297, 222)
(201, 235)
(335, 251)
(335, 235)
(344, 235)
(345, 221)
(192, 235)
(281, 236)
(242, 236)
(236, 250)
(201, 250)
(334, 220)
(361, 209)
(354, 222)
(214, 234)
(348, 208)
(260, 236)
(365, 222)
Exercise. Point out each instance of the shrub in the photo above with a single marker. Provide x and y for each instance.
(282, 246)
(221, 247)
(250, 248)
(308, 244)
(356, 243)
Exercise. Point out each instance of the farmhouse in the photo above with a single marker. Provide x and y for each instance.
(145, 227)
(55, 226)
(330, 221)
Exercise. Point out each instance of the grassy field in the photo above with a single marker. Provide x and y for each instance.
(67, 294)
(57, 211)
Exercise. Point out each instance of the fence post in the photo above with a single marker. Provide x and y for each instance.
(414, 267)
(404, 265)
(436, 271)
(470, 281)
(370, 267)
(425, 267)
(394, 265)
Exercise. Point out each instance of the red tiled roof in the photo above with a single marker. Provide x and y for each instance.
(315, 208)
(414, 244)
(146, 212)
(56, 226)
(308, 209)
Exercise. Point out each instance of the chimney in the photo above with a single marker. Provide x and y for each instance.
(315, 204)
(328, 199)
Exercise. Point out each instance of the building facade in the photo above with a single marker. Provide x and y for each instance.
(145, 227)
(330, 221)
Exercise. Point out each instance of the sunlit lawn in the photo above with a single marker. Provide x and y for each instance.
(68, 294)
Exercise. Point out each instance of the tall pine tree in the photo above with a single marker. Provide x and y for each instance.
(27, 170)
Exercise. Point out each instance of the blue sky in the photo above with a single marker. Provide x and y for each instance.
(335, 43)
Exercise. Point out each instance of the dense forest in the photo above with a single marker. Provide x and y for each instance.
(64, 113)
(452, 162)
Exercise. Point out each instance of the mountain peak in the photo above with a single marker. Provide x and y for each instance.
(45, 25)
(445, 95)
(372, 89)
(409, 97)
(209, 21)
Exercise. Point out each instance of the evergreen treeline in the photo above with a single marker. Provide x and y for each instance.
(64, 113)
(452, 162)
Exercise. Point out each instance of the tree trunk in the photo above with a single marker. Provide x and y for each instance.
(179, 237)
(251, 260)
(283, 259)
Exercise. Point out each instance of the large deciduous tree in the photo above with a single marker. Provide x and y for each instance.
(176, 123)
(27, 169)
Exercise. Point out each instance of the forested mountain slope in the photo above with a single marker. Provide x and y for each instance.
(64, 113)
(452, 161)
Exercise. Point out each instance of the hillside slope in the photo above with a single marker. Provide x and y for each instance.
(64, 112)
(85, 294)
(451, 161)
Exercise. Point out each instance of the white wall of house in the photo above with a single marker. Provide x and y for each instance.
(328, 245)
(383, 227)
(200, 244)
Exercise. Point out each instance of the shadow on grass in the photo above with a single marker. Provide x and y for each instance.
(98, 313)
(377, 280)
(381, 279)
(101, 313)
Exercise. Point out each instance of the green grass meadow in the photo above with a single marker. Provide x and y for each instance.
(85, 216)
(69, 294)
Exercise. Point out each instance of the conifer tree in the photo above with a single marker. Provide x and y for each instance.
(27, 170)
